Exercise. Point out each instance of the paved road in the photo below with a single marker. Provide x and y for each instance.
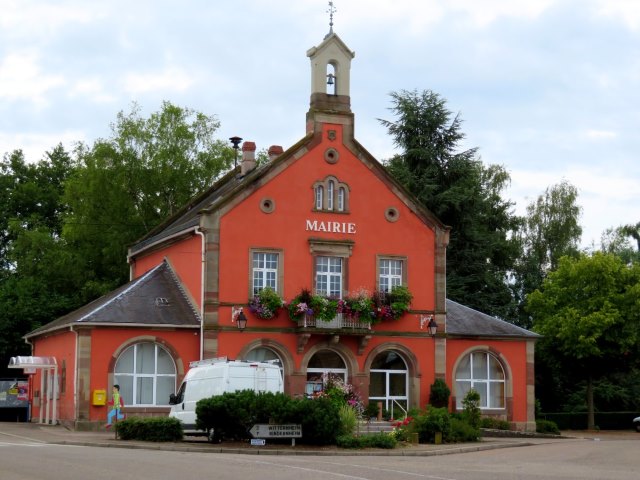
(25, 456)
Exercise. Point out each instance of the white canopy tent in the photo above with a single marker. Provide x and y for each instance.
(48, 384)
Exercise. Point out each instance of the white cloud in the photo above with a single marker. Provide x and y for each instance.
(483, 13)
(625, 11)
(92, 88)
(34, 145)
(21, 78)
(170, 79)
(20, 16)
(600, 134)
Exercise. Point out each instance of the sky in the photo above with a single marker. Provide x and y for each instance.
(549, 89)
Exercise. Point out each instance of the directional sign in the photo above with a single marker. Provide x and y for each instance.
(261, 430)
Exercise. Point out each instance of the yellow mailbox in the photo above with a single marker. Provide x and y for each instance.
(99, 397)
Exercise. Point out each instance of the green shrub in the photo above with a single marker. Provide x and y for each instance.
(378, 440)
(348, 420)
(547, 426)
(371, 410)
(494, 423)
(471, 408)
(440, 393)
(431, 421)
(152, 429)
(320, 420)
(230, 416)
(462, 431)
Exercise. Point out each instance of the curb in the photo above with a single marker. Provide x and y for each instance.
(320, 453)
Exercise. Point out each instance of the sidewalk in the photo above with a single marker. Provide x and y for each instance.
(58, 435)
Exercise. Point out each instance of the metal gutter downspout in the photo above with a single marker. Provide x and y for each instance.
(199, 232)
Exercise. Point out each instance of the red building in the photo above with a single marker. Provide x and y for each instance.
(322, 216)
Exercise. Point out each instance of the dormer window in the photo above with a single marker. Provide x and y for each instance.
(331, 195)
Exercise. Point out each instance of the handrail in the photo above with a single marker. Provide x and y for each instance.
(401, 408)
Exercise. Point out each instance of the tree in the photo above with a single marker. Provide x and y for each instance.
(128, 184)
(463, 193)
(588, 311)
(617, 241)
(36, 274)
(30, 195)
(549, 231)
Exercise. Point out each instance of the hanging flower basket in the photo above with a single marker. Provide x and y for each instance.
(266, 304)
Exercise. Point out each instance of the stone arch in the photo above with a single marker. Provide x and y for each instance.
(277, 347)
(180, 370)
(407, 355)
(345, 353)
(506, 368)
(413, 366)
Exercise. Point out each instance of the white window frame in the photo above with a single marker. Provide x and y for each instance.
(264, 274)
(319, 197)
(490, 383)
(390, 273)
(139, 376)
(325, 275)
(331, 195)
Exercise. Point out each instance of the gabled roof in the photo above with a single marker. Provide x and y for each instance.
(465, 321)
(154, 299)
(232, 184)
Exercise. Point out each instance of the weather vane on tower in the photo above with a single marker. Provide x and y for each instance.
(331, 10)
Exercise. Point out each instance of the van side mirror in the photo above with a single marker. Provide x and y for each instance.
(172, 399)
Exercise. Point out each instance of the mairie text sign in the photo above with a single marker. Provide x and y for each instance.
(261, 430)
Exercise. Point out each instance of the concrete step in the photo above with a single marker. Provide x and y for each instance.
(372, 427)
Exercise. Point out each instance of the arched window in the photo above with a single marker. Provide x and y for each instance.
(319, 197)
(146, 374)
(331, 195)
(330, 190)
(322, 363)
(341, 198)
(483, 372)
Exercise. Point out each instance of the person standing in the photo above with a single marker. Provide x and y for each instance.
(116, 406)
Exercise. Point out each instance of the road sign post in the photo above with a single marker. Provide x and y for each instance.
(263, 430)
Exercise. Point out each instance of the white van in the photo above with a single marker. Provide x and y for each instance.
(207, 378)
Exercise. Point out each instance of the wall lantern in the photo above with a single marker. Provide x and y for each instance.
(430, 323)
(238, 316)
(433, 326)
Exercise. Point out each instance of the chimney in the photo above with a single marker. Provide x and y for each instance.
(274, 152)
(248, 157)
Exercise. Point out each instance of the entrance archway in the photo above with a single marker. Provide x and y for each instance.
(322, 363)
(389, 382)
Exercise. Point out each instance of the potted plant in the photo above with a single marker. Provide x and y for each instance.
(300, 306)
(266, 303)
(324, 308)
(359, 306)
(399, 300)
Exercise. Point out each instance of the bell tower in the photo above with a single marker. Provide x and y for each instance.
(330, 74)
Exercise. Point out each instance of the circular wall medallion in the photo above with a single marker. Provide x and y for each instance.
(331, 155)
(392, 214)
(267, 205)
